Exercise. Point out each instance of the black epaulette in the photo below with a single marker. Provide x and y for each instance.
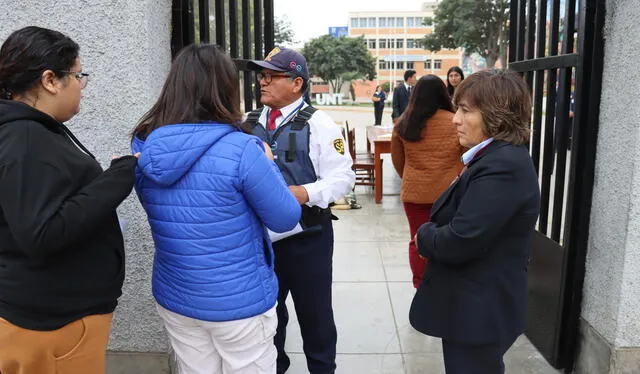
(302, 118)
(253, 117)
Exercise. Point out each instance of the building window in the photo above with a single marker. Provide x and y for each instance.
(400, 22)
(411, 21)
(363, 22)
(437, 64)
(410, 43)
(399, 43)
(420, 22)
(371, 22)
(354, 22)
(400, 65)
(427, 65)
(371, 44)
(410, 65)
(392, 43)
(391, 21)
(386, 65)
(382, 43)
(382, 22)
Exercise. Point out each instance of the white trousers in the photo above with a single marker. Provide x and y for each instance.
(236, 347)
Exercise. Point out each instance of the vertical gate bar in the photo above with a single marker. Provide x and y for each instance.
(233, 28)
(522, 23)
(257, 29)
(257, 40)
(177, 30)
(203, 12)
(560, 142)
(587, 112)
(189, 24)
(554, 28)
(530, 39)
(248, 77)
(548, 151)
(221, 35)
(536, 130)
(569, 27)
(513, 35)
(562, 123)
(539, 84)
(269, 27)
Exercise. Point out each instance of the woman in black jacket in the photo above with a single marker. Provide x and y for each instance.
(474, 292)
(61, 248)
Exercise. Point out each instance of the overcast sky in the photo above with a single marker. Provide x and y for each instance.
(310, 19)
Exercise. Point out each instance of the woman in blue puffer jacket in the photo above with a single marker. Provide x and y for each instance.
(209, 191)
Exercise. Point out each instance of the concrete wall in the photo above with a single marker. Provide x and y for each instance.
(611, 305)
(125, 45)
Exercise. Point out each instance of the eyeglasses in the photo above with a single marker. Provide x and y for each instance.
(268, 77)
(82, 77)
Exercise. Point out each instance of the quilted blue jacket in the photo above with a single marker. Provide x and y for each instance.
(209, 191)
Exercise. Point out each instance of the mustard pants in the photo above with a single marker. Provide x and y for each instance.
(77, 348)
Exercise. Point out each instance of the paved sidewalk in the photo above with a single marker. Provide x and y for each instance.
(373, 292)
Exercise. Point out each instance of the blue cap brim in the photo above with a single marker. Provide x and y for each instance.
(259, 65)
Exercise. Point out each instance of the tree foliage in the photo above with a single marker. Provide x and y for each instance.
(338, 60)
(283, 33)
(478, 26)
(386, 86)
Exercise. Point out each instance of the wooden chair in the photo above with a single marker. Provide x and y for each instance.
(366, 154)
(363, 165)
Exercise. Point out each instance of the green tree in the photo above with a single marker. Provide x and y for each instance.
(386, 86)
(478, 26)
(283, 33)
(338, 60)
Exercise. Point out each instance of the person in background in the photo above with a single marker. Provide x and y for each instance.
(209, 191)
(454, 77)
(61, 248)
(313, 159)
(426, 154)
(474, 291)
(378, 99)
(401, 95)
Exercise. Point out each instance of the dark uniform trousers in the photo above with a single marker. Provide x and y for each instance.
(304, 266)
(377, 112)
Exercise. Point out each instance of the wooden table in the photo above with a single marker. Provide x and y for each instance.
(380, 138)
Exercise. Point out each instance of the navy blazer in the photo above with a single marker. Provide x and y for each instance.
(474, 290)
(400, 100)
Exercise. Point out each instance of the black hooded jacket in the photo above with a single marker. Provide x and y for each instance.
(61, 248)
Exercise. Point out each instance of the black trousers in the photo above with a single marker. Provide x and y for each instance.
(469, 359)
(377, 111)
(304, 267)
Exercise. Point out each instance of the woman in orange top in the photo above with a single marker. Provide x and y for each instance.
(427, 155)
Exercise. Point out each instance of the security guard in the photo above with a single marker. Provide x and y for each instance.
(309, 150)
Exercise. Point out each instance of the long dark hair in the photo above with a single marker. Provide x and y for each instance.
(429, 95)
(29, 52)
(450, 88)
(202, 86)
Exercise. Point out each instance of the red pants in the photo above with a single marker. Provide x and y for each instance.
(417, 214)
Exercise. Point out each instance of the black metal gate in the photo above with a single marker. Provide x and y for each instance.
(244, 28)
(558, 46)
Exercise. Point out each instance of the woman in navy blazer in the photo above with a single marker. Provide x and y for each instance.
(474, 292)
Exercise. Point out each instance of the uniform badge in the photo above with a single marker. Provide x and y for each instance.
(338, 144)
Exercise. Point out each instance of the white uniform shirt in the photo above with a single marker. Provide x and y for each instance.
(333, 168)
